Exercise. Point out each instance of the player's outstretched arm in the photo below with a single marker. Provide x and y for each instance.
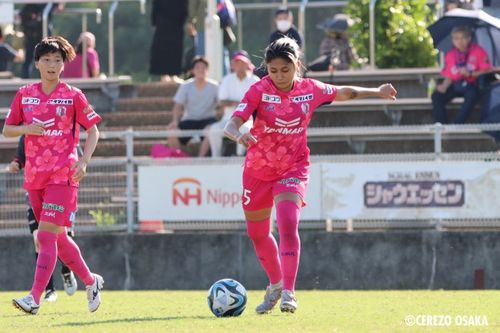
(80, 167)
(10, 131)
(385, 91)
(232, 131)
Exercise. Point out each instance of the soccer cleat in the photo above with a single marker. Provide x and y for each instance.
(70, 284)
(50, 296)
(270, 299)
(288, 301)
(26, 304)
(93, 293)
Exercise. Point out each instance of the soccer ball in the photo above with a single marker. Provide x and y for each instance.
(227, 298)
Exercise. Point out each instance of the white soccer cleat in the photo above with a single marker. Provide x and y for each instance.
(70, 284)
(93, 293)
(288, 301)
(50, 296)
(26, 304)
(271, 297)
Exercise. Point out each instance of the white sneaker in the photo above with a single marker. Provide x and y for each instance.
(93, 293)
(271, 297)
(70, 284)
(26, 304)
(288, 301)
(50, 296)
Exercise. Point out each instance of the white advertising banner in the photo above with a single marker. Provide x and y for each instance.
(416, 190)
(204, 192)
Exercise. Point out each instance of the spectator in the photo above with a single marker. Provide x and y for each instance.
(231, 91)
(336, 52)
(8, 54)
(463, 64)
(32, 25)
(168, 18)
(195, 104)
(283, 18)
(74, 68)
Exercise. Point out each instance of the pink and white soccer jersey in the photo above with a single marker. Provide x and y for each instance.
(280, 126)
(49, 157)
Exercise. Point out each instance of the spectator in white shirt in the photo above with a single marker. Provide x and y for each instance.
(231, 91)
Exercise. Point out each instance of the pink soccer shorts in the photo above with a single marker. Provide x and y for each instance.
(259, 194)
(55, 204)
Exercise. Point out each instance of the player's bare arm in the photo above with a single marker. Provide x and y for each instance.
(10, 131)
(90, 145)
(232, 131)
(385, 91)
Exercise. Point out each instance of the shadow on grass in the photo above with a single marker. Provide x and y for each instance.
(131, 320)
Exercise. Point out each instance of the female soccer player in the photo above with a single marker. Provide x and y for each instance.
(277, 162)
(50, 114)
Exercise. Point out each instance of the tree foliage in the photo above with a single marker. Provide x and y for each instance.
(401, 36)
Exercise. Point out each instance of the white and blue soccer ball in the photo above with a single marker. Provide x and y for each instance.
(227, 298)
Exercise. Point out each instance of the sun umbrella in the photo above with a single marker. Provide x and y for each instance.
(486, 31)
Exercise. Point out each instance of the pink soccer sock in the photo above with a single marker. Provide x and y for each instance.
(45, 264)
(70, 255)
(288, 215)
(266, 248)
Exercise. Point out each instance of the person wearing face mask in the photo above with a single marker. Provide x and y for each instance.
(283, 19)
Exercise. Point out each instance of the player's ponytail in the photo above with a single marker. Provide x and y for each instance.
(55, 44)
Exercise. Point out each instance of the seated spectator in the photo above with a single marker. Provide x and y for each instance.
(463, 64)
(231, 91)
(74, 68)
(8, 54)
(195, 104)
(336, 52)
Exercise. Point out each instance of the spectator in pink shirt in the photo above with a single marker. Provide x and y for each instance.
(463, 64)
(75, 67)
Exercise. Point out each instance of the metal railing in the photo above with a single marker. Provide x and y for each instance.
(119, 180)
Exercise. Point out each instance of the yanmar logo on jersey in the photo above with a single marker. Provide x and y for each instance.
(271, 98)
(49, 132)
(292, 123)
(60, 101)
(45, 123)
(30, 100)
(302, 98)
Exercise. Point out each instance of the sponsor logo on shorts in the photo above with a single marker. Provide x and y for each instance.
(241, 107)
(292, 181)
(51, 206)
(50, 214)
(30, 100)
(271, 98)
(60, 101)
(302, 98)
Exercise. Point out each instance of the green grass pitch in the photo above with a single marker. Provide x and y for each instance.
(319, 311)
